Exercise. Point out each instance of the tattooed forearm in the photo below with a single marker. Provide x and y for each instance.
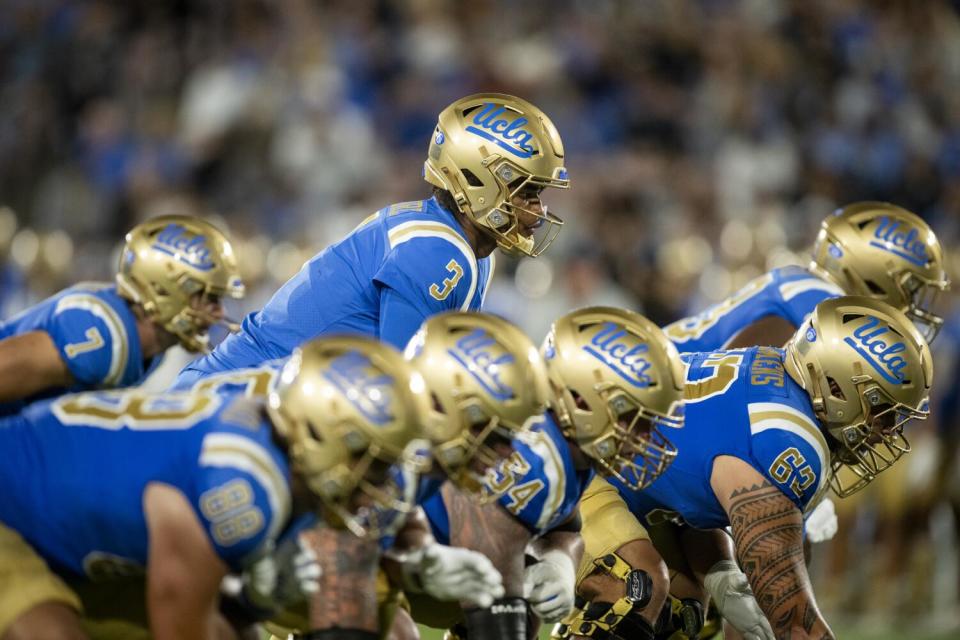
(347, 595)
(492, 531)
(767, 532)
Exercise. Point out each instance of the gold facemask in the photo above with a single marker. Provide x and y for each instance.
(171, 266)
(486, 381)
(352, 411)
(495, 153)
(617, 384)
(868, 372)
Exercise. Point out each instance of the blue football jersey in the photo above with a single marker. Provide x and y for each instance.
(95, 332)
(738, 403)
(789, 292)
(545, 488)
(253, 382)
(74, 490)
(416, 249)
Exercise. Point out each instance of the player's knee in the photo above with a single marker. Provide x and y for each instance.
(51, 621)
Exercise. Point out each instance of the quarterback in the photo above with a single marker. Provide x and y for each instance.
(768, 431)
(182, 488)
(173, 272)
(490, 157)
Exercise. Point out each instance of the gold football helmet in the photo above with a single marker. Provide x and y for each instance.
(174, 267)
(486, 381)
(880, 250)
(616, 380)
(868, 372)
(351, 409)
(490, 149)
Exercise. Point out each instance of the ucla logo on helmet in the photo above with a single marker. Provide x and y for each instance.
(493, 122)
(368, 390)
(484, 360)
(439, 138)
(189, 249)
(881, 348)
(623, 352)
(893, 236)
(811, 334)
(835, 250)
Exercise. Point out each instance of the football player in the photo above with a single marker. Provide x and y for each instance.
(186, 487)
(490, 157)
(768, 431)
(631, 379)
(486, 380)
(873, 249)
(174, 271)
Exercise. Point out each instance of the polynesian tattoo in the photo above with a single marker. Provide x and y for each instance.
(347, 595)
(768, 535)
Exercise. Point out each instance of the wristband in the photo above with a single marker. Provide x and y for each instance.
(506, 619)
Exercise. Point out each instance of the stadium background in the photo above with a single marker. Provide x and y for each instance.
(706, 140)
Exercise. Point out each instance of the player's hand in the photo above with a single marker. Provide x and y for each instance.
(451, 573)
(731, 592)
(821, 524)
(284, 576)
(548, 586)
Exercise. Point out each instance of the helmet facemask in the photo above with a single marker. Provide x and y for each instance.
(922, 296)
(192, 324)
(508, 221)
(633, 449)
(872, 445)
(479, 444)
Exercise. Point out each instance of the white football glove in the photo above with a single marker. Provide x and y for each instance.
(284, 576)
(821, 524)
(452, 573)
(548, 586)
(731, 592)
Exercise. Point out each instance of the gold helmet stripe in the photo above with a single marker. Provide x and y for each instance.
(773, 415)
(410, 230)
(543, 446)
(118, 333)
(790, 290)
(228, 450)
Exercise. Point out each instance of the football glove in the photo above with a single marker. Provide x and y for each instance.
(731, 592)
(821, 524)
(548, 586)
(452, 573)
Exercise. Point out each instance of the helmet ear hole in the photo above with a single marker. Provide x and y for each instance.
(471, 178)
(835, 389)
(874, 288)
(579, 401)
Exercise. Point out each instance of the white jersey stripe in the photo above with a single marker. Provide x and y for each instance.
(118, 333)
(543, 446)
(790, 290)
(231, 451)
(773, 415)
(426, 229)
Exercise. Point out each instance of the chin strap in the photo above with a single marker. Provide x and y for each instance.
(621, 619)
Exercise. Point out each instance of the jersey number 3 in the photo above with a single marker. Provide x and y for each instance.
(448, 283)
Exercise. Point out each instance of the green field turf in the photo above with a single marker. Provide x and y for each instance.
(844, 633)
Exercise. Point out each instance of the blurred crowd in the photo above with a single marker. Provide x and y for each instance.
(706, 140)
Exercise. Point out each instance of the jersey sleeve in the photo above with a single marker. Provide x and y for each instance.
(799, 291)
(430, 273)
(242, 496)
(535, 480)
(789, 450)
(91, 338)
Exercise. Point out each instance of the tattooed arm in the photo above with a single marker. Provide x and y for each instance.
(767, 533)
(494, 532)
(347, 596)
